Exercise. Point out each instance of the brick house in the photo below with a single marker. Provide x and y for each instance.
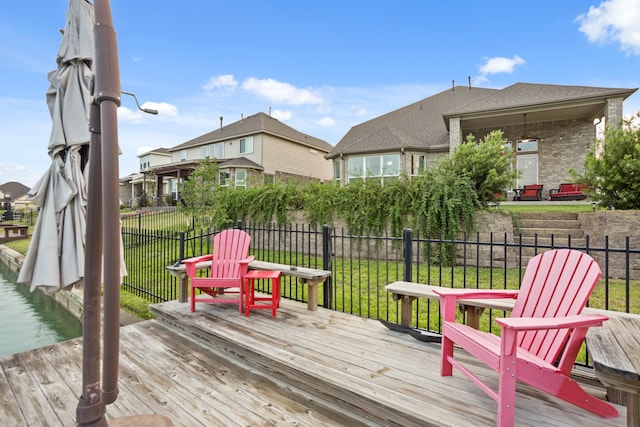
(550, 128)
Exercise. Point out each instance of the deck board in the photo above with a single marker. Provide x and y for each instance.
(216, 367)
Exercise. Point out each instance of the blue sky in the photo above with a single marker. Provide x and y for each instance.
(318, 66)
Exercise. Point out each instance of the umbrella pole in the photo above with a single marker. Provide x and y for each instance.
(91, 408)
(107, 95)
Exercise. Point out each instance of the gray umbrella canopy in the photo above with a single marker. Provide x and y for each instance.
(55, 259)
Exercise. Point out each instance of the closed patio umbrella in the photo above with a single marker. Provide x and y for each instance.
(78, 229)
(55, 259)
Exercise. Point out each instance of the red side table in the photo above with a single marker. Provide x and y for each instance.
(273, 301)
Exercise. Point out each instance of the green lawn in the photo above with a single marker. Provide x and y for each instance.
(545, 207)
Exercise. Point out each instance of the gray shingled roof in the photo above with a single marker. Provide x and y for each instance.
(417, 126)
(239, 162)
(14, 189)
(258, 123)
(521, 95)
(424, 124)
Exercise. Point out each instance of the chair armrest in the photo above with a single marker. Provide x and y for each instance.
(535, 323)
(459, 293)
(191, 263)
(197, 259)
(248, 260)
(450, 296)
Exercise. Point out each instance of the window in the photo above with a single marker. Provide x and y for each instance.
(391, 165)
(527, 165)
(183, 155)
(241, 178)
(246, 145)
(356, 169)
(224, 178)
(174, 189)
(528, 145)
(337, 165)
(145, 163)
(217, 150)
(203, 152)
(269, 178)
(384, 167)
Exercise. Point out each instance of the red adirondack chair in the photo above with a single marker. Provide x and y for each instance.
(539, 342)
(229, 264)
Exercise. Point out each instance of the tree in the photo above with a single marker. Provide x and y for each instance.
(486, 163)
(201, 195)
(612, 169)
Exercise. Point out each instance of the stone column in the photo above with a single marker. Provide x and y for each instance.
(455, 133)
(613, 113)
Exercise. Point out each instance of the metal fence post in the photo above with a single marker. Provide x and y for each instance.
(181, 255)
(326, 265)
(407, 251)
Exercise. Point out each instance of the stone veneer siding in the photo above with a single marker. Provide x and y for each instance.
(562, 145)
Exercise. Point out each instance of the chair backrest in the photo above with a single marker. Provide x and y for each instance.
(532, 190)
(556, 283)
(568, 188)
(229, 247)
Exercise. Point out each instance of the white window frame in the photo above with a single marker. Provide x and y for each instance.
(217, 150)
(224, 178)
(241, 178)
(246, 145)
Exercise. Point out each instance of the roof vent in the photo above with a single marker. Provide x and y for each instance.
(221, 122)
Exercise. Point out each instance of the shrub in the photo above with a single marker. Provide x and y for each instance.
(612, 169)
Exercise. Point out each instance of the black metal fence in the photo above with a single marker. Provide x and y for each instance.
(362, 265)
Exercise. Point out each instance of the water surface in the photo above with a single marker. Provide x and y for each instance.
(30, 320)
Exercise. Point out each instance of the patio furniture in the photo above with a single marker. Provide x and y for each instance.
(252, 301)
(532, 192)
(539, 342)
(312, 277)
(614, 349)
(567, 192)
(229, 264)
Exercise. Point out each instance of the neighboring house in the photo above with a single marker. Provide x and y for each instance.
(549, 127)
(13, 196)
(257, 144)
(136, 186)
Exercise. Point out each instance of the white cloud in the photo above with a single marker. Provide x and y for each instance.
(224, 82)
(497, 65)
(127, 115)
(500, 65)
(276, 91)
(326, 121)
(614, 21)
(282, 115)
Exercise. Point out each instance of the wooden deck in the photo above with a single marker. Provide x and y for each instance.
(216, 367)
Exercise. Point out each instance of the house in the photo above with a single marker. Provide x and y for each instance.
(550, 128)
(13, 196)
(140, 189)
(258, 144)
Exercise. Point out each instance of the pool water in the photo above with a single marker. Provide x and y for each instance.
(30, 320)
